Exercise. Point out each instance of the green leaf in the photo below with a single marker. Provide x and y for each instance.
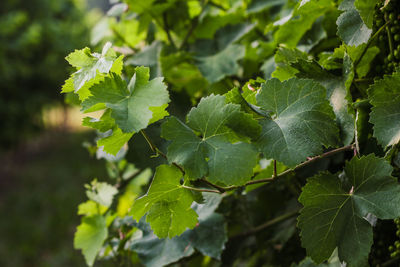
(167, 204)
(283, 57)
(301, 123)
(260, 5)
(90, 236)
(155, 252)
(336, 207)
(217, 152)
(222, 64)
(338, 93)
(105, 123)
(130, 105)
(351, 28)
(90, 208)
(301, 19)
(102, 193)
(384, 96)
(210, 236)
(148, 57)
(89, 65)
(113, 144)
(364, 65)
(366, 9)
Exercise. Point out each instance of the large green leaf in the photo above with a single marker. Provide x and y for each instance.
(216, 153)
(301, 121)
(131, 106)
(90, 236)
(167, 204)
(351, 28)
(336, 206)
(384, 96)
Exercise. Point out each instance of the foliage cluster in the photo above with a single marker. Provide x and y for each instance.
(290, 118)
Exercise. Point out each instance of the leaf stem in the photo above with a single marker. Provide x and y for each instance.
(201, 189)
(267, 224)
(357, 146)
(369, 43)
(157, 151)
(167, 31)
(193, 25)
(390, 38)
(275, 174)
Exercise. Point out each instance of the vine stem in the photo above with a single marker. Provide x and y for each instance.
(305, 163)
(369, 43)
(167, 31)
(390, 38)
(201, 189)
(219, 188)
(267, 224)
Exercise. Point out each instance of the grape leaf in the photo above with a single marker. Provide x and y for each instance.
(366, 8)
(212, 153)
(210, 235)
(102, 193)
(364, 65)
(302, 120)
(302, 19)
(283, 57)
(155, 252)
(90, 236)
(130, 105)
(148, 57)
(222, 64)
(89, 64)
(113, 143)
(105, 123)
(384, 96)
(337, 92)
(335, 209)
(351, 28)
(259, 5)
(167, 204)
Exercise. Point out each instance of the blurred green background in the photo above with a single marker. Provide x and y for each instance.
(43, 163)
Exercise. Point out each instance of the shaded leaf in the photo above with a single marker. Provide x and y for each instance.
(384, 96)
(335, 210)
(351, 28)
